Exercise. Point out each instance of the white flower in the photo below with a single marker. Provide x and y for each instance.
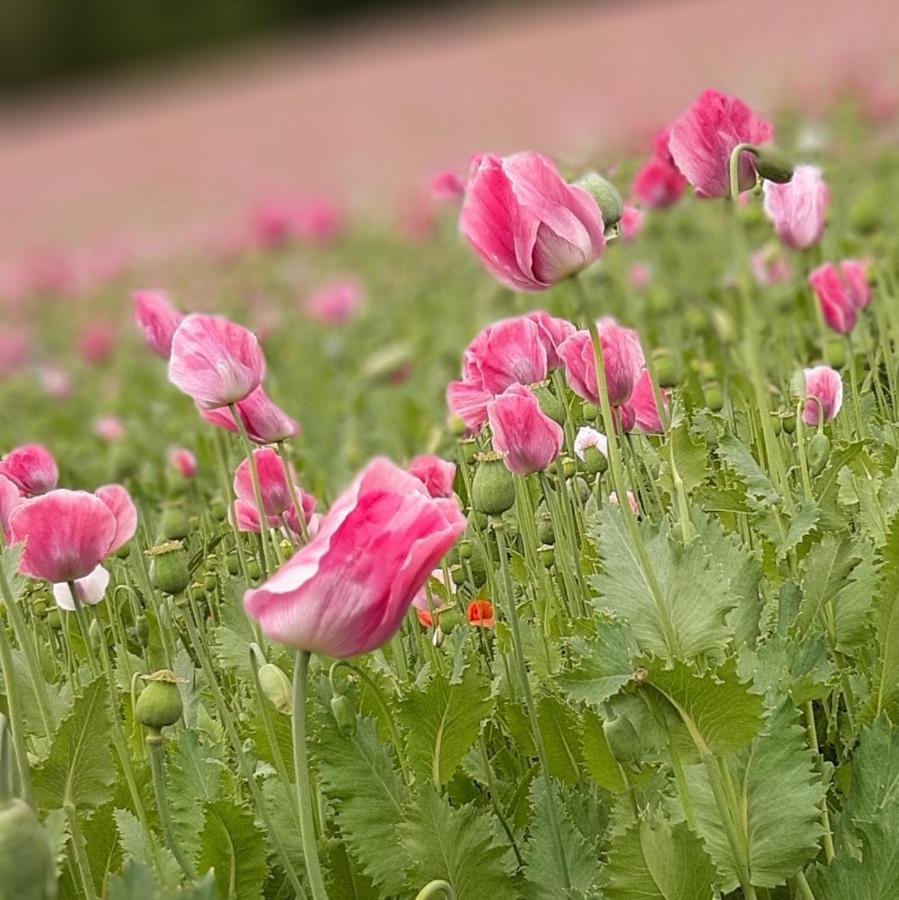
(590, 437)
(91, 590)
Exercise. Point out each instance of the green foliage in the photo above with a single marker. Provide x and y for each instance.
(234, 848)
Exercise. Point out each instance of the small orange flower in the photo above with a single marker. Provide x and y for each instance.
(424, 617)
(480, 613)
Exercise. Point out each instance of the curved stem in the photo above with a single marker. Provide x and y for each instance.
(291, 486)
(433, 888)
(734, 167)
(157, 765)
(304, 789)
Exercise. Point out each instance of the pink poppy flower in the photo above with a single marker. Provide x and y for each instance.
(447, 186)
(110, 428)
(658, 184)
(529, 226)
(9, 500)
(90, 590)
(97, 342)
(317, 220)
(528, 439)
(436, 474)
(183, 460)
(623, 361)
(15, 348)
(824, 385)
(335, 303)
(770, 266)
(67, 534)
(641, 276)
(647, 417)
(158, 320)
(798, 208)
(631, 222)
(703, 138)
(631, 501)
(264, 420)
(272, 223)
(273, 485)
(347, 590)
(469, 402)
(553, 331)
(841, 291)
(55, 381)
(31, 468)
(215, 361)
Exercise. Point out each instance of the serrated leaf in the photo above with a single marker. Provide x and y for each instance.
(740, 461)
(885, 677)
(598, 758)
(359, 776)
(443, 721)
(234, 848)
(654, 860)
(716, 707)
(194, 777)
(144, 848)
(602, 663)
(827, 570)
(780, 794)
(79, 769)
(678, 609)
(801, 525)
(457, 845)
(559, 730)
(691, 456)
(873, 877)
(544, 871)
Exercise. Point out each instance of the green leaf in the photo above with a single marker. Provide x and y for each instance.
(801, 525)
(885, 677)
(678, 609)
(144, 848)
(544, 871)
(873, 877)
(654, 860)
(79, 769)
(559, 729)
(827, 571)
(443, 721)
(359, 776)
(779, 793)
(598, 759)
(234, 848)
(691, 456)
(194, 777)
(716, 707)
(602, 663)
(736, 456)
(457, 845)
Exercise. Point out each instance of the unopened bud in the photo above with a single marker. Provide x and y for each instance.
(27, 871)
(276, 687)
(606, 196)
(175, 525)
(773, 165)
(818, 452)
(168, 567)
(344, 714)
(665, 367)
(493, 487)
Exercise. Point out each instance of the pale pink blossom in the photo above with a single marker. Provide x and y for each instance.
(436, 474)
(264, 420)
(183, 460)
(798, 208)
(157, 318)
(589, 437)
(9, 500)
(823, 386)
(647, 417)
(110, 428)
(336, 302)
(90, 590)
(631, 501)
(447, 185)
(842, 290)
(528, 439)
(31, 468)
(631, 222)
(770, 266)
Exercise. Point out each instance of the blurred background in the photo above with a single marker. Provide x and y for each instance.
(144, 127)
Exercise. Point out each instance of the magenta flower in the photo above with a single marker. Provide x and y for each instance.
(158, 320)
(798, 208)
(273, 484)
(264, 420)
(631, 222)
(436, 474)
(67, 534)
(9, 500)
(215, 361)
(623, 362)
(553, 331)
(822, 385)
(647, 417)
(703, 139)
(335, 303)
(347, 590)
(183, 460)
(447, 185)
(97, 342)
(529, 226)
(528, 439)
(31, 468)
(658, 185)
(841, 291)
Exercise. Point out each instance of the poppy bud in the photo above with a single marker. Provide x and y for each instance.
(159, 703)
(606, 195)
(54, 620)
(26, 863)
(174, 525)
(449, 619)
(142, 630)
(209, 582)
(714, 397)
(623, 741)
(219, 510)
(569, 467)
(457, 575)
(168, 568)
(276, 687)
(589, 411)
(776, 423)
(665, 367)
(773, 165)
(545, 531)
(253, 570)
(547, 556)
(835, 352)
(789, 423)
(232, 564)
(818, 452)
(477, 565)
(493, 487)
(124, 551)
(438, 638)
(344, 714)
(465, 549)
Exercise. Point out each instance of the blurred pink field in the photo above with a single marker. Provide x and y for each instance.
(156, 165)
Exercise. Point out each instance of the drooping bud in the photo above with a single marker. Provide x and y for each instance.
(623, 741)
(835, 352)
(276, 687)
(26, 863)
(168, 567)
(493, 486)
(344, 714)
(159, 704)
(818, 452)
(773, 165)
(789, 422)
(606, 196)
(174, 525)
(665, 367)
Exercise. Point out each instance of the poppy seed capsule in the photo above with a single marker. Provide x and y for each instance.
(219, 510)
(344, 714)
(493, 487)
(835, 352)
(27, 871)
(232, 564)
(449, 619)
(606, 195)
(168, 568)
(665, 367)
(276, 687)
(589, 411)
(545, 532)
(175, 525)
(569, 467)
(464, 548)
(773, 165)
(714, 396)
(159, 704)
(595, 461)
(547, 556)
(789, 423)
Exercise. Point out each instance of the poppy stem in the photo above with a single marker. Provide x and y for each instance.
(257, 489)
(16, 719)
(301, 767)
(84, 629)
(433, 888)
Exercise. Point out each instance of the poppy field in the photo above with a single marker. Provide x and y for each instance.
(543, 544)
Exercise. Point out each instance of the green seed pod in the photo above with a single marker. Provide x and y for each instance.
(54, 620)
(818, 452)
(665, 367)
(450, 618)
(465, 549)
(773, 165)
(253, 570)
(545, 531)
(174, 526)
(623, 741)
(776, 424)
(27, 871)
(493, 487)
(469, 451)
(714, 396)
(159, 703)
(549, 403)
(547, 556)
(835, 352)
(606, 196)
(789, 422)
(582, 488)
(589, 411)
(344, 714)
(168, 567)
(210, 582)
(276, 687)
(569, 467)
(458, 575)
(142, 630)
(219, 510)
(477, 564)
(232, 563)
(595, 461)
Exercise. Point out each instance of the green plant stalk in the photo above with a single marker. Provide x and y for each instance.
(803, 886)
(528, 529)
(85, 631)
(829, 852)
(155, 744)
(16, 720)
(494, 801)
(521, 664)
(433, 888)
(292, 488)
(571, 594)
(79, 851)
(222, 456)
(303, 783)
